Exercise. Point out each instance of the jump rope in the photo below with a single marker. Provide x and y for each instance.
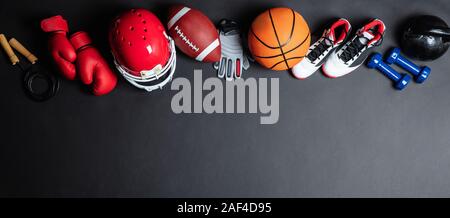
(32, 72)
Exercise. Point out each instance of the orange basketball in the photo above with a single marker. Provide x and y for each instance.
(279, 38)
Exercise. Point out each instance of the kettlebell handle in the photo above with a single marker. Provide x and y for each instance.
(435, 31)
(443, 32)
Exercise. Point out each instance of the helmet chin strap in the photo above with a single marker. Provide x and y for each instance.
(168, 69)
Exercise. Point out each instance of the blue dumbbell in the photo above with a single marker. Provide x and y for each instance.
(401, 80)
(420, 73)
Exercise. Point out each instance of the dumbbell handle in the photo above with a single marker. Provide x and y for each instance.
(389, 71)
(408, 65)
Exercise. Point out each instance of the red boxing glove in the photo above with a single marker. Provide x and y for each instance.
(91, 66)
(61, 50)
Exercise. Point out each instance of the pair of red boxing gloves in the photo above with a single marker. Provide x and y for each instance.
(76, 57)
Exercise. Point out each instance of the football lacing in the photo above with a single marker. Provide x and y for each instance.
(186, 40)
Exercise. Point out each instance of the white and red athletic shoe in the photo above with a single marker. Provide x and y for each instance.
(353, 54)
(318, 53)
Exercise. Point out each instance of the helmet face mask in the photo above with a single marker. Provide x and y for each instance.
(151, 80)
(143, 53)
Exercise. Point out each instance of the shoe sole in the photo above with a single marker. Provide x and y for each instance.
(327, 74)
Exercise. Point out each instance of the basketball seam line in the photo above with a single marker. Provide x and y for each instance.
(278, 39)
(287, 59)
(292, 30)
(289, 40)
(298, 46)
(262, 42)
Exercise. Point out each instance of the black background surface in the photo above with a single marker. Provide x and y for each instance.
(350, 137)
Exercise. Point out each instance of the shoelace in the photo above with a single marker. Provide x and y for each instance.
(353, 49)
(321, 48)
(356, 46)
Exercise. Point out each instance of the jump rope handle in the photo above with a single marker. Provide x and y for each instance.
(22, 50)
(12, 56)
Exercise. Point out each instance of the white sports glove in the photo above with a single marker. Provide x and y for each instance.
(233, 58)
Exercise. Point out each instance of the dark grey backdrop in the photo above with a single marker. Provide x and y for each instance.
(350, 137)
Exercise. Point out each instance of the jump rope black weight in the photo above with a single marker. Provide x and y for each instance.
(33, 73)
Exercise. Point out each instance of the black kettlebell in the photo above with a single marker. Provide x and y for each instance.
(426, 38)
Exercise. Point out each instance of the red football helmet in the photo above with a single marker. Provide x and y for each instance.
(143, 52)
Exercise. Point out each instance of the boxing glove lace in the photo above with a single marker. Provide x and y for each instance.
(92, 68)
(61, 49)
